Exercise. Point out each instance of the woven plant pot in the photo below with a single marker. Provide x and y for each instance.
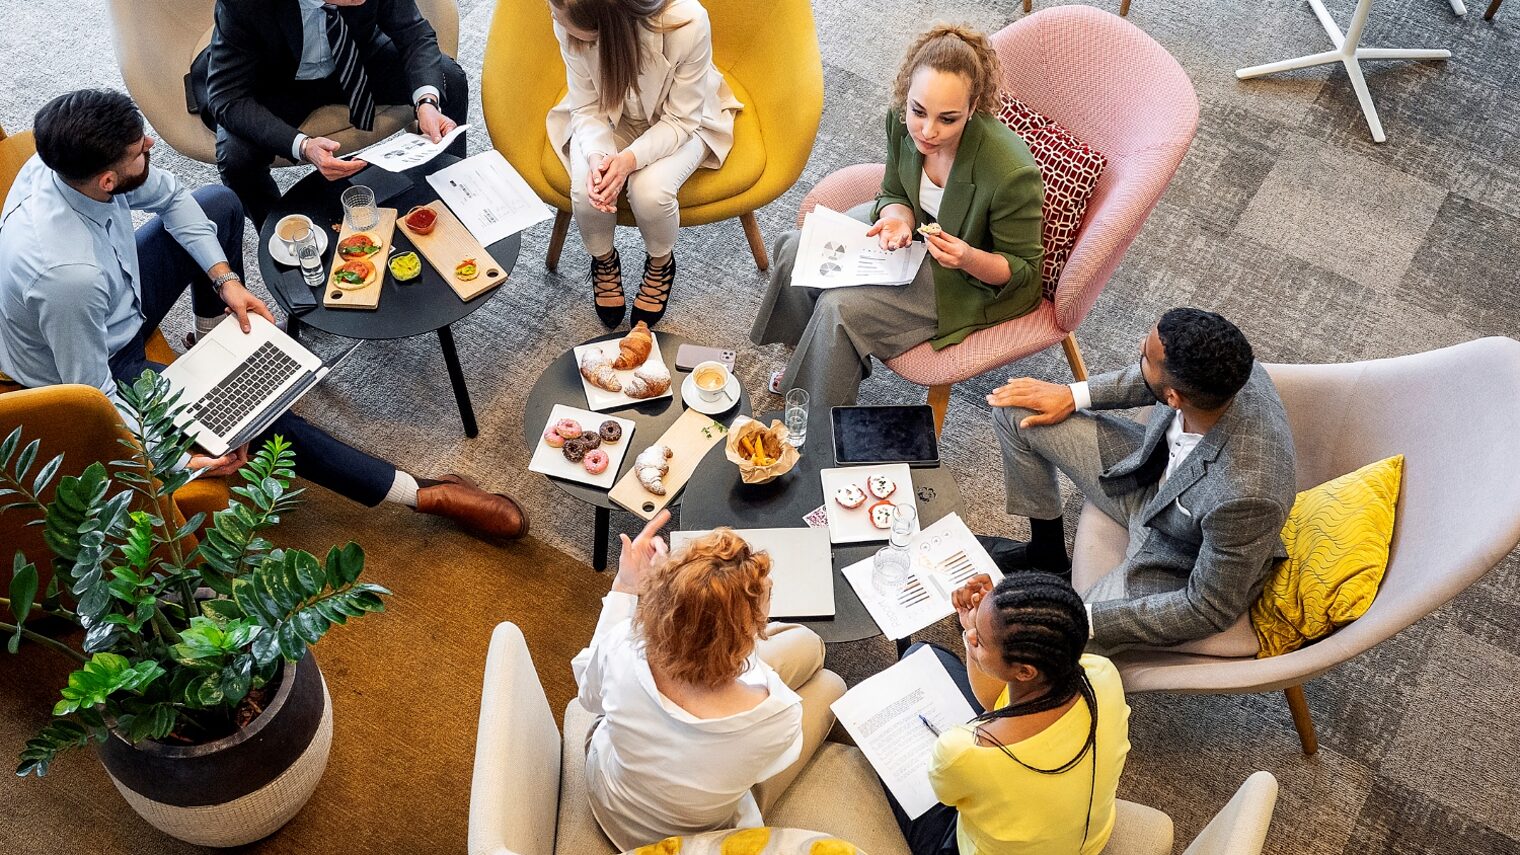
(243, 787)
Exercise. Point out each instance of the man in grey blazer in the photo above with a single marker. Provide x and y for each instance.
(1203, 484)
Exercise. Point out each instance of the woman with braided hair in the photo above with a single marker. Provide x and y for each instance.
(1037, 770)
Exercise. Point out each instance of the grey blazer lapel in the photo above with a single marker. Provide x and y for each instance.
(1195, 466)
(1143, 464)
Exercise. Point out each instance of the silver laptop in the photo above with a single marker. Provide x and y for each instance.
(802, 568)
(238, 384)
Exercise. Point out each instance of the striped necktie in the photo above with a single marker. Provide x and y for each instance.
(350, 71)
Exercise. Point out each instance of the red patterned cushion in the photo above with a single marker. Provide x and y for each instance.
(1070, 168)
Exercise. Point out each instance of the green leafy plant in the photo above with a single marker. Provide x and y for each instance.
(180, 642)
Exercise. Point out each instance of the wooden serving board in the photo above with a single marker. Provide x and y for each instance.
(686, 440)
(367, 297)
(450, 243)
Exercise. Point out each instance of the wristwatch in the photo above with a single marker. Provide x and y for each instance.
(229, 276)
(427, 99)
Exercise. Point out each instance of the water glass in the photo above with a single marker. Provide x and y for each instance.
(889, 571)
(796, 417)
(903, 518)
(359, 209)
(309, 256)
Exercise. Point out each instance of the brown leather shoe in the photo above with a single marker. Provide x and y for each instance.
(493, 515)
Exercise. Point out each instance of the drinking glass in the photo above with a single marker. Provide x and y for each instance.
(359, 210)
(309, 256)
(796, 417)
(889, 570)
(903, 518)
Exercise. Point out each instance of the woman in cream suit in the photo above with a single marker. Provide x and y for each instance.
(645, 108)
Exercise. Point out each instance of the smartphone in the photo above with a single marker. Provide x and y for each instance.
(891, 434)
(689, 356)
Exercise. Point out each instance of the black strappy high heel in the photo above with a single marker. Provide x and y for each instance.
(607, 281)
(655, 288)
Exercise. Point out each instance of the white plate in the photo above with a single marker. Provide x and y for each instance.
(848, 525)
(284, 256)
(693, 397)
(548, 460)
(600, 399)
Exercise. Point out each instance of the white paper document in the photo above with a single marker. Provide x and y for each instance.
(834, 251)
(945, 556)
(403, 150)
(882, 714)
(489, 197)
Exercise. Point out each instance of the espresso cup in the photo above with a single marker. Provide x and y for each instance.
(710, 378)
(290, 228)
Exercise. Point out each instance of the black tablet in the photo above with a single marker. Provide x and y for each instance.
(885, 435)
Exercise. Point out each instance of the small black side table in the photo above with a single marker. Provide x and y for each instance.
(423, 305)
(561, 384)
(716, 496)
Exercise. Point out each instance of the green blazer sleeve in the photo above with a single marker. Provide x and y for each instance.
(1015, 223)
(892, 191)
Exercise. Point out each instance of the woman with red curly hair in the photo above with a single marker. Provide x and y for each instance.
(706, 712)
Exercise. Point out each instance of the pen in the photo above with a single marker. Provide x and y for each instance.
(932, 729)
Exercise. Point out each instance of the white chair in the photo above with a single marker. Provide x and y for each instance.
(1240, 827)
(1348, 51)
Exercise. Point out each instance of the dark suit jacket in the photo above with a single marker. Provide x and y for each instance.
(1213, 531)
(256, 50)
(992, 202)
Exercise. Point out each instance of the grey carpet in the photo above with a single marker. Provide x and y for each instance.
(1322, 245)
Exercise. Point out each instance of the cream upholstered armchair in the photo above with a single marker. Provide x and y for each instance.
(156, 42)
(528, 793)
(1458, 513)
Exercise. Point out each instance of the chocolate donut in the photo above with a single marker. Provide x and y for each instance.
(590, 439)
(610, 431)
(574, 450)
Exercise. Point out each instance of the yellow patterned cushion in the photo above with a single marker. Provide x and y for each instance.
(751, 841)
(1337, 537)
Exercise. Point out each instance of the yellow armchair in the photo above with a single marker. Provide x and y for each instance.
(768, 52)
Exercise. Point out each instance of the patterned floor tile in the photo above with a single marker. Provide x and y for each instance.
(1396, 820)
(1343, 212)
(1460, 271)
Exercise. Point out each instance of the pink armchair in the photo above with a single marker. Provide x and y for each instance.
(1115, 88)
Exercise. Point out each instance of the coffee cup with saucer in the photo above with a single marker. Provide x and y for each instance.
(711, 388)
(282, 249)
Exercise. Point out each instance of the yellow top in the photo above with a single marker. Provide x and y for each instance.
(1006, 809)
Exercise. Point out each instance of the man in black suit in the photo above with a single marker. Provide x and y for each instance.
(272, 62)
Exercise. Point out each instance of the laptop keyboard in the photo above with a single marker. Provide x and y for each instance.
(245, 389)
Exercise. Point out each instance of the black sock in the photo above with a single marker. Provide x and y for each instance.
(1047, 540)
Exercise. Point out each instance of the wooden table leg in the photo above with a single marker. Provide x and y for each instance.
(456, 377)
(599, 549)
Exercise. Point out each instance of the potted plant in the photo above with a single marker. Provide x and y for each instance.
(194, 677)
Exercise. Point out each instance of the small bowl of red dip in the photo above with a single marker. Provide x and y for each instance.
(421, 220)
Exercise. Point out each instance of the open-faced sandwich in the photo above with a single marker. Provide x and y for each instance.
(881, 514)
(358, 246)
(466, 270)
(353, 274)
(930, 229)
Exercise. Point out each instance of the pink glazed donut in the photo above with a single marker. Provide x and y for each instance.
(568, 428)
(595, 461)
(552, 437)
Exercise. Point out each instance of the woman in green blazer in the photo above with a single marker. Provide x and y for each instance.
(950, 162)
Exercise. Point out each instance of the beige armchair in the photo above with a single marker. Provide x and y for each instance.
(1454, 416)
(156, 42)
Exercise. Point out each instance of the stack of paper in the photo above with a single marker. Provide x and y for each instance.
(489, 197)
(834, 251)
(402, 150)
(945, 556)
(895, 717)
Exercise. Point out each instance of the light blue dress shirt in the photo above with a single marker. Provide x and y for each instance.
(317, 61)
(70, 293)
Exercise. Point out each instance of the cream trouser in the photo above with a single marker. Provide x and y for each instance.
(650, 190)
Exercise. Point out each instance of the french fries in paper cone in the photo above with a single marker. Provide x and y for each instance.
(762, 454)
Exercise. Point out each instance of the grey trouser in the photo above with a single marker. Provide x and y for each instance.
(1031, 457)
(836, 331)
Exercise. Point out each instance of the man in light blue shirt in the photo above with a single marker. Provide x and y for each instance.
(80, 291)
(272, 62)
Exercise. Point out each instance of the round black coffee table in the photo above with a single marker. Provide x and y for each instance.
(423, 305)
(715, 496)
(561, 384)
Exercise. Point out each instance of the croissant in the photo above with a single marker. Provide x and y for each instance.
(597, 369)
(648, 381)
(650, 468)
(634, 348)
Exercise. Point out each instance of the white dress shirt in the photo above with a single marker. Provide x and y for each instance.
(317, 60)
(654, 770)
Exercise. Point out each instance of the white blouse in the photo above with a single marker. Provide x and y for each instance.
(654, 770)
(930, 195)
